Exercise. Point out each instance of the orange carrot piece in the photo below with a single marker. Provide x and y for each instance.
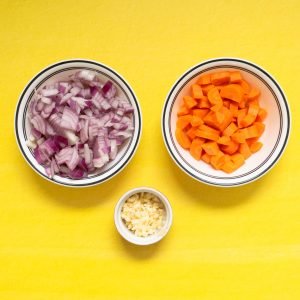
(245, 86)
(254, 93)
(226, 103)
(211, 148)
(207, 133)
(220, 78)
(196, 149)
(235, 77)
(206, 158)
(252, 141)
(189, 101)
(183, 121)
(261, 116)
(206, 88)
(238, 160)
(214, 96)
(204, 79)
(239, 137)
(233, 92)
(233, 107)
(241, 115)
(245, 150)
(224, 140)
(218, 120)
(183, 110)
(196, 121)
(204, 103)
(231, 148)
(182, 139)
(256, 147)
(256, 130)
(228, 167)
(191, 133)
(230, 129)
(197, 91)
(218, 160)
(200, 112)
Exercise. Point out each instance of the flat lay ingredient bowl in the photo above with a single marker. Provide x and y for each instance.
(143, 216)
(274, 138)
(62, 71)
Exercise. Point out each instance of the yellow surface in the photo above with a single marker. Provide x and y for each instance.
(59, 243)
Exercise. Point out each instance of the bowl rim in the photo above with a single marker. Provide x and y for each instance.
(216, 60)
(130, 237)
(105, 67)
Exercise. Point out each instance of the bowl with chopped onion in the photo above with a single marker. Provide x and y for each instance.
(143, 216)
(78, 123)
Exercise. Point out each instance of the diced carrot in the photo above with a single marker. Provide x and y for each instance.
(183, 110)
(241, 115)
(226, 103)
(211, 148)
(261, 116)
(230, 129)
(253, 94)
(245, 150)
(218, 160)
(220, 78)
(207, 133)
(214, 121)
(239, 137)
(196, 121)
(224, 140)
(221, 122)
(200, 112)
(243, 103)
(245, 86)
(233, 107)
(189, 101)
(256, 130)
(238, 160)
(228, 167)
(231, 148)
(204, 79)
(182, 139)
(216, 107)
(197, 91)
(204, 103)
(214, 96)
(256, 147)
(196, 149)
(183, 121)
(206, 158)
(252, 141)
(191, 133)
(206, 88)
(235, 77)
(233, 92)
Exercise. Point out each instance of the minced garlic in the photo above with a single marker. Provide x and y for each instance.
(143, 214)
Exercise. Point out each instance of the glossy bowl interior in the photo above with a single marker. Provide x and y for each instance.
(274, 138)
(129, 235)
(61, 71)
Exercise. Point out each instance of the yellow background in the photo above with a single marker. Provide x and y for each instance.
(60, 243)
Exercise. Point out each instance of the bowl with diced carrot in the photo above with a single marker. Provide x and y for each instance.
(226, 122)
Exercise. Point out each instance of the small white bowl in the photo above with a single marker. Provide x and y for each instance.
(129, 235)
(274, 138)
(60, 71)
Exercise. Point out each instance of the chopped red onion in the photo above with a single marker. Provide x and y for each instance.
(78, 125)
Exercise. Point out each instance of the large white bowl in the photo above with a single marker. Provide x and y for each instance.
(60, 71)
(274, 138)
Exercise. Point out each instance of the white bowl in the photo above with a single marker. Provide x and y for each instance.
(61, 71)
(274, 138)
(129, 235)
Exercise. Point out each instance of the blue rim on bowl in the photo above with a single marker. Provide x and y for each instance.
(213, 177)
(58, 69)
